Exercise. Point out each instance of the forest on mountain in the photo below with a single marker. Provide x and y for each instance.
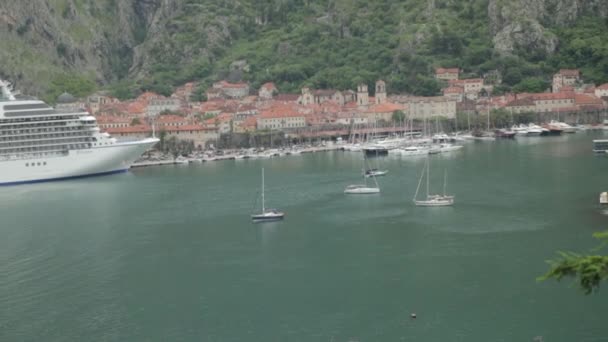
(133, 46)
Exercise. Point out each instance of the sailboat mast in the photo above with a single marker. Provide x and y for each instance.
(364, 168)
(445, 180)
(428, 167)
(488, 110)
(419, 183)
(437, 123)
(263, 204)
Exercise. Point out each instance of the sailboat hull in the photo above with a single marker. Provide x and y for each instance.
(267, 214)
(375, 174)
(436, 202)
(362, 191)
(267, 217)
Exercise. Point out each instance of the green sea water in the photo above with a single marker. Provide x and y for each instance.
(170, 254)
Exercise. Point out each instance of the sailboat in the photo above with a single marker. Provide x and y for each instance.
(363, 189)
(433, 200)
(375, 172)
(267, 214)
(479, 135)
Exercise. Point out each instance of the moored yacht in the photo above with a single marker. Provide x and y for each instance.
(504, 134)
(553, 129)
(564, 126)
(411, 151)
(441, 138)
(535, 130)
(39, 143)
(520, 130)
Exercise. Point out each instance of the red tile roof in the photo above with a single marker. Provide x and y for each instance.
(552, 96)
(280, 112)
(268, 86)
(103, 119)
(385, 108)
(447, 70)
(170, 118)
(453, 90)
(526, 101)
(584, 99)
(186, 128)
(143, 128)
(250, 122)
(569, 72)
(226, 84)
(324, 92)
(147, 96)
(603, 86)
(287, 97)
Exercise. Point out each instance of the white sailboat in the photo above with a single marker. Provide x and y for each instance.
(433, 200)
(267, 214)
(363, 189)
(375, 172)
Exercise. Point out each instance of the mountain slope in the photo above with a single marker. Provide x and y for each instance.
(157, 44)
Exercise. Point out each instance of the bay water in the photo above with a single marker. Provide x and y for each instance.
(170, 254)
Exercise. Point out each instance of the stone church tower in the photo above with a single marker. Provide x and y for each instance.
(362, 95)
(380, 92)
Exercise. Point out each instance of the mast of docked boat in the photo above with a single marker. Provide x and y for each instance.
(419, 183)
(428, 167)
(488, 111)
(263, 204)
(364, 168)
(153, 128)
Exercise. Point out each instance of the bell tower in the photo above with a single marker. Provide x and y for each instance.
(380, 92)
(362, 95)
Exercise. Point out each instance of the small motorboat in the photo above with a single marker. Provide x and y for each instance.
(375, 173)
(361, 189)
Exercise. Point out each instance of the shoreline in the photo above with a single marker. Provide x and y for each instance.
(185, 161)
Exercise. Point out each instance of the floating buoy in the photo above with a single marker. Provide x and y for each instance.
(413, 315)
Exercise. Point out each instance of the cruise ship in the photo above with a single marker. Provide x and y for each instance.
(39, 143)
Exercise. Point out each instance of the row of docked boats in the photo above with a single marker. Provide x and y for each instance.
(411, 146)
(526, 130)
(441, 142)
(552, 128)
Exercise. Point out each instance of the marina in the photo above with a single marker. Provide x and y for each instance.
(170, 253)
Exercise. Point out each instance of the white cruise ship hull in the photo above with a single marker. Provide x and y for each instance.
(96, 161)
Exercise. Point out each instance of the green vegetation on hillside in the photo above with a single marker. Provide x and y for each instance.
(318, 43)
(76, 84)
(340, 43)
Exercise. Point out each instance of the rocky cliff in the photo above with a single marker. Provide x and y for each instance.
(108, 40)
(100, 38)
(523, 24)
